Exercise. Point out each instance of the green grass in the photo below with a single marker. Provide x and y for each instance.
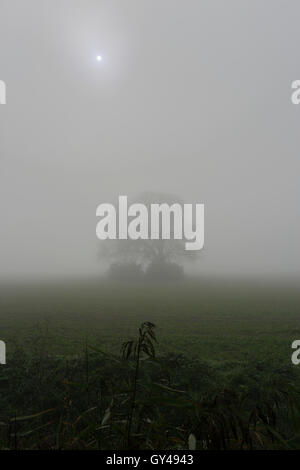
(214, 321)
(230, 340)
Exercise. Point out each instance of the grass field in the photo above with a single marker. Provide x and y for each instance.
(242, 331)
(217, 321)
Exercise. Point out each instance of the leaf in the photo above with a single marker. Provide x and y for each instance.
(192, 441)
(169, 389)
(24, 418)
(107, 414)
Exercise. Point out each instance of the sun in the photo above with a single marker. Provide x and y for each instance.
(99, 58)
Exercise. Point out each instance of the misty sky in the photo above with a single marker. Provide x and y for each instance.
(192, 97)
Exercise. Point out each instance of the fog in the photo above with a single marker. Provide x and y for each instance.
(192, 98)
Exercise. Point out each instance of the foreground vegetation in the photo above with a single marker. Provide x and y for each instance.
(85, 371)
